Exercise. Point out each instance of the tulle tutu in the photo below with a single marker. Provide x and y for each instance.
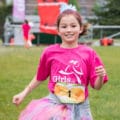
(50, 108)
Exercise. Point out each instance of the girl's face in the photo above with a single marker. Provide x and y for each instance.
(69, 29)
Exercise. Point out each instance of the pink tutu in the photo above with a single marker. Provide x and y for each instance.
(49, 108)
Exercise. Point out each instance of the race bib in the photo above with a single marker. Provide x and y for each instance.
(69, 93)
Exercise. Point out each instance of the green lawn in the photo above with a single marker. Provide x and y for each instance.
(18, 65)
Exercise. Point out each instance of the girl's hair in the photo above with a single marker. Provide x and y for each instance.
(26, 21)
(76, 15)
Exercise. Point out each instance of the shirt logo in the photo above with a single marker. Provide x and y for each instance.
(73, 68)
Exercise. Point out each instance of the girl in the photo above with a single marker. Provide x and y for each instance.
(71, 68)
(26, 29)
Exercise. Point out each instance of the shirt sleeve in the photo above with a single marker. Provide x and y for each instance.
(43, 67)
(95, 61)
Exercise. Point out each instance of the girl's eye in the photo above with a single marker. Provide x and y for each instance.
(63, 26)
(73, 25)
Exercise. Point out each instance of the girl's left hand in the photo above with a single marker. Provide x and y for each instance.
(100, 71)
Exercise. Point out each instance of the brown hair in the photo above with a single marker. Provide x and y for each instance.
(26, 21)
(77, 16)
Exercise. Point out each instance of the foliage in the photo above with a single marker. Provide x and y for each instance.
(108, 13)
(18, 66)
(4, 11)
(75, 2)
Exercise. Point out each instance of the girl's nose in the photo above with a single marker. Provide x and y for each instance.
(68, 28)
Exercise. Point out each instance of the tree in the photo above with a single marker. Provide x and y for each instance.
(74, 2)
(108, 13)
(4, 11)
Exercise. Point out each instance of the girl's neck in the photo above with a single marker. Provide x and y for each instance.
(71, 45)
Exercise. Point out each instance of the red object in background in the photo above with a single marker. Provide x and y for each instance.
(11, 41)
(48, 11)
(48, 16)
(106, 41)
(53, 1)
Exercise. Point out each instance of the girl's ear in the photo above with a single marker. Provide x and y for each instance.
(58, 32)
(81, 29)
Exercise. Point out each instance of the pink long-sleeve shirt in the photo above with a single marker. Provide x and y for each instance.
(74, 65)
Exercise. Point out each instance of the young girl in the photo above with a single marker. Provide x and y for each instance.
(71, 68)
(26, 29)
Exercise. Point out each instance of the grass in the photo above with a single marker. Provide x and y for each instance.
(106, 102)
(18, 66)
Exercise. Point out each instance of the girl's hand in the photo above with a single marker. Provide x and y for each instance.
(17, 99)
(100, 71)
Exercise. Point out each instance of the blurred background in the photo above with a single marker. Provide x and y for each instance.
(18, 65)
(102, 16)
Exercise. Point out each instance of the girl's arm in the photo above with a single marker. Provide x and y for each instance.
(100, 72)
(17, 99)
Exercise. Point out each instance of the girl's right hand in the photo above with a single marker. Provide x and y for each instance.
(17, 99)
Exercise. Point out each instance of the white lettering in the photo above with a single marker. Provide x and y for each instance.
(61, 79)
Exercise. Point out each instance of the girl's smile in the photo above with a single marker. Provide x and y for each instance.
(69, 30)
